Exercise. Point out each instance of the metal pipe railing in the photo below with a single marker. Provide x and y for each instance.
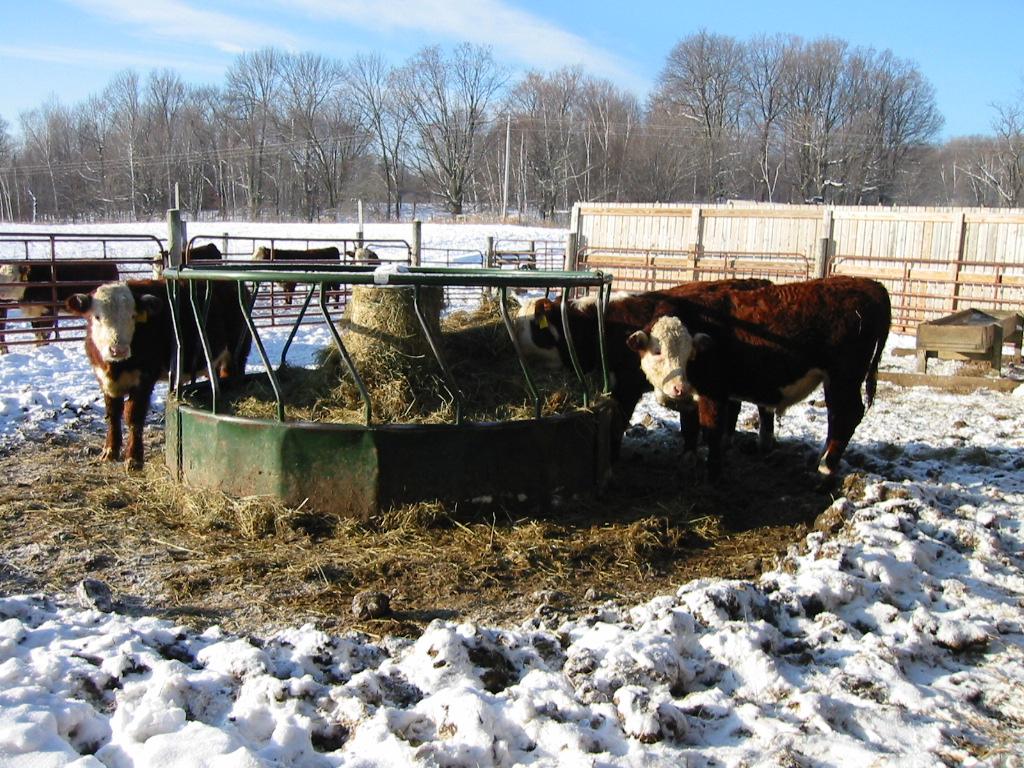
(316, 276)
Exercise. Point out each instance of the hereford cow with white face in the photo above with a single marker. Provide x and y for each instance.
(40, 288)
(773, 346)
(130, 343)
(541, 335)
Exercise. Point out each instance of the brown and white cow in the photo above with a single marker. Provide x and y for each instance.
(772, 346)
(40, 288)
(541, 336)
(363, 255)
(298, 257)
(130, 343)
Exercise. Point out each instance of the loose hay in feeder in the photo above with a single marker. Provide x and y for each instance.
(383, 337)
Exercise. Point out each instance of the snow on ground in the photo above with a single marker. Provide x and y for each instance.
(893, 636)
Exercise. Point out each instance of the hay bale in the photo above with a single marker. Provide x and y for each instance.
(383, 317)
(390, 351)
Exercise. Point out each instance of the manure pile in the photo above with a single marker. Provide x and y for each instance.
(404, 382)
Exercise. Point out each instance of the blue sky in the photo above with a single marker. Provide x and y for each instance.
(70, 49)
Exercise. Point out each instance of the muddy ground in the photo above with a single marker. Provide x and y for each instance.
(251, 566)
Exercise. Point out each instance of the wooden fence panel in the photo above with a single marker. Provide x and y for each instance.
(934, 261)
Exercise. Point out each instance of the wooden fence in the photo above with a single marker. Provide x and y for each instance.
(934, 261)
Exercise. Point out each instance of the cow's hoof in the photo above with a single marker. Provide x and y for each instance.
(825, 483)
(133, 465)
(109, 454)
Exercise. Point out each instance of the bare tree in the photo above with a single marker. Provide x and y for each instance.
(124, 96)
(376, 86)
(995, 168)
(545, 111)
(702, 84)
(819, 101)
(8, 189)
(165, 98)
(766, 66)
(96, 136)
(611, 118)
(447, 98)
(251, 95)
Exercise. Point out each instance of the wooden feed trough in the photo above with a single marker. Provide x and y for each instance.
(971, 334)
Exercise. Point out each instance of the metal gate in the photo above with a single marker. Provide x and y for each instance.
(38, 270)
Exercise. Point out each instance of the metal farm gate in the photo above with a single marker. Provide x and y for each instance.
(280, 304)
(34, 313)
(38, 270)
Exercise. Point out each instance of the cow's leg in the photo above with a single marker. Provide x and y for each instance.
(845, 410)
(115, 411)
(713, 417)
(620, 420)
(44, 324)
(732, 416)
(689, 430)
(689, 426)
(138, 407)
(765, 430)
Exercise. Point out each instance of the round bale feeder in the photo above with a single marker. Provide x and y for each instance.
(370, 464)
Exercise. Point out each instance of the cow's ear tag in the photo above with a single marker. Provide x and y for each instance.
(141, 317)
(543, 322)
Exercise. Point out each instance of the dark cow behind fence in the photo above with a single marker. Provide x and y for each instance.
(772, 346)
(205, 252)
(329, 253)
(130, 344)
(40, 288)
(541, 337)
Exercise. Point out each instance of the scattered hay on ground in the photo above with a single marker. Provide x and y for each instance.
(253, 564)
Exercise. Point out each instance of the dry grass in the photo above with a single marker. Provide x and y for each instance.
(250, 564)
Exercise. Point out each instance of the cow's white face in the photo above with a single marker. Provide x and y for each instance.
(538, 337)
(664, 353)
(12, 273)
(113, 314)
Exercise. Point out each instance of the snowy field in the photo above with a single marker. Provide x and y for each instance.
(892, 636)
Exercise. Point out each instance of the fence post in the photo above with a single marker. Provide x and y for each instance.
(417, 242)
(697, 246)
(225, 249)
(570, 262)
(175, 242)
(961, 244)
(359, 232)
(489, 258)
(825, 246)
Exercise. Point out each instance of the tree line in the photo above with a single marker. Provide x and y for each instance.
(303, 135)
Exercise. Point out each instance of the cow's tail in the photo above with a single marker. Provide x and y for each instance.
(871, 383)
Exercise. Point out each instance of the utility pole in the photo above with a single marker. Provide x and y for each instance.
(508, 146)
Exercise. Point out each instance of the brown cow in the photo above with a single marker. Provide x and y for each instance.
(540, 334)
(329, 253)
(772, 346)
(40, 288)
(130, 344)
(204, 252)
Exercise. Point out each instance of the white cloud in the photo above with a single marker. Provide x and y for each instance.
(54, 54)
(180, 21)
(513, 33)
